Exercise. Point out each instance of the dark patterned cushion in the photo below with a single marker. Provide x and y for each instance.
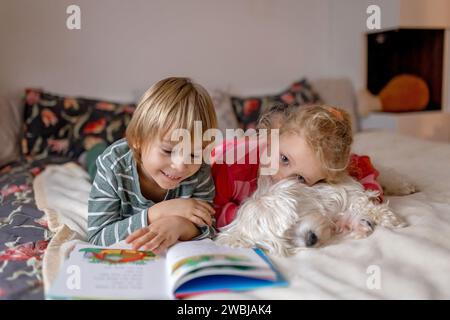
(249, 109)
(69, 126)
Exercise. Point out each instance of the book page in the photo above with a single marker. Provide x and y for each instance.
(92, 272)
(250, 272)
(186, 257)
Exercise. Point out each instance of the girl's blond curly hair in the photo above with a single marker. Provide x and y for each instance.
(326, 129)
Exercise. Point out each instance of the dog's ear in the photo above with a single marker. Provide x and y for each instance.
(390, 220)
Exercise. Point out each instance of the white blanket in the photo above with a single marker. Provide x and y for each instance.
(409, 263)
(62, 192)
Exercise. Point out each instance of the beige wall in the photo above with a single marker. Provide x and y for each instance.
(248, 46)
(425, 13)
(347, 33)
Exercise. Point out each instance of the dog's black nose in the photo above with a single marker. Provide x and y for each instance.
(311, 239)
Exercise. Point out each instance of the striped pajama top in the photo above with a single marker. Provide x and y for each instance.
(116, 206)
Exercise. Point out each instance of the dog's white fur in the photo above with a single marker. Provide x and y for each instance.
(289, 215)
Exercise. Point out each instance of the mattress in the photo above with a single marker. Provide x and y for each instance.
(407, 263)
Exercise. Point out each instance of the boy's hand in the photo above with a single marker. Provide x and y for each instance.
(197, 211)
(160, 235)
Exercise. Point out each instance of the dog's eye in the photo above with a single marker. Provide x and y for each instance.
(301, 179)
(284, 159)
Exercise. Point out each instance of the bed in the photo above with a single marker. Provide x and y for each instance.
(412, 263)
(409, 263)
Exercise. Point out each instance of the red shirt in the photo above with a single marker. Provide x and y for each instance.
(237, 181)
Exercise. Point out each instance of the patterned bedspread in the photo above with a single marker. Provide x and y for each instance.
(23, 231)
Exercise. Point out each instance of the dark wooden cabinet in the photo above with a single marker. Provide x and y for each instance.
(413, 51)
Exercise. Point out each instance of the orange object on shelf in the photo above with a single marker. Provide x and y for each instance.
(405, 93)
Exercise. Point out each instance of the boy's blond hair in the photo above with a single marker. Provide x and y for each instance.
(169, 104)
(326, 129)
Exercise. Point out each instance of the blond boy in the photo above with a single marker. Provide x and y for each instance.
(139, 193)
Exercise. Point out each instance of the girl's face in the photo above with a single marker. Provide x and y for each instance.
(297, 159)
(157, 164)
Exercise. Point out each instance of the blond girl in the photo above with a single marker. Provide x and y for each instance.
(314, 146)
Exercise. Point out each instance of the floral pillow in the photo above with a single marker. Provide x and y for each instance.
(249, 109)
(66, 126)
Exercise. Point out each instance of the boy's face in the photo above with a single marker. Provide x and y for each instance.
(297, 159)
(158, 164)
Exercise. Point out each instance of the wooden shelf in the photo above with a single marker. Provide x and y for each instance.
(429, 125)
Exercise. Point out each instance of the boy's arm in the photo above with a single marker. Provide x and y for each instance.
(361, 168)
(205, 191)
(191, 232)
(106, 225)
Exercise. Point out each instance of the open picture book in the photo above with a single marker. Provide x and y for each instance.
(188, 268)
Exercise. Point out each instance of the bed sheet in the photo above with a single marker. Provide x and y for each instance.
(24, 234)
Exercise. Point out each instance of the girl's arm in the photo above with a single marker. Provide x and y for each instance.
(106, 224)
(224, 205)
(205, 191)
(233, 181)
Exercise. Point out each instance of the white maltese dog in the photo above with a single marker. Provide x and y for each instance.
(284, 217)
